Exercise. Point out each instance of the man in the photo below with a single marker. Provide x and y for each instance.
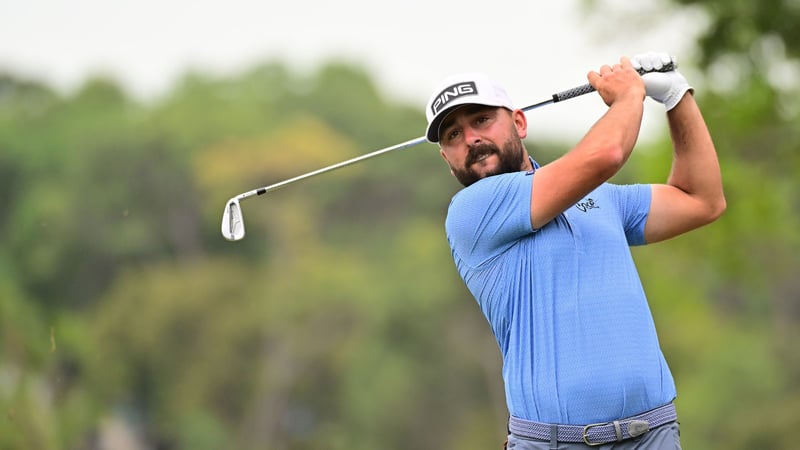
(545, 252)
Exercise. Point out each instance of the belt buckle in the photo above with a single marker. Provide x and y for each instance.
(586, 433)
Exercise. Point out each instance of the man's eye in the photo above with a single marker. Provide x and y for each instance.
(452, 134)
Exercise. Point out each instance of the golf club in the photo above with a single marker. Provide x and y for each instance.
(233, 222)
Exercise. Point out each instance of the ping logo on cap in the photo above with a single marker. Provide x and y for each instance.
(451, 93)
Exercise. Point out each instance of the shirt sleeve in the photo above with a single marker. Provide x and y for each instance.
(489, 217)
(633, 202)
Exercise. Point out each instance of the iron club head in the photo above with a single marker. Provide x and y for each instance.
(232, 221)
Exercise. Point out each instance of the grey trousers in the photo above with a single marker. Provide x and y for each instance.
(665, 437)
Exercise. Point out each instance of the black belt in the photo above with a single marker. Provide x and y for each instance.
(595, 433)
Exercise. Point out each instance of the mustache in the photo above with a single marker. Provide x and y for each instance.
(475, 152)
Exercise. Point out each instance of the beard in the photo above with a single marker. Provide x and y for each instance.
(511, 157)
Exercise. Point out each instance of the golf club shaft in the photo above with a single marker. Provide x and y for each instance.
(272, 187)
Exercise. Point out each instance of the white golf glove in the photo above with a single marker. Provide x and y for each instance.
(664, 87)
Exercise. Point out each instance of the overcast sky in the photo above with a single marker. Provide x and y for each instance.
(533, 48)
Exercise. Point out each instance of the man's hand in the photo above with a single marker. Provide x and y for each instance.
(618, 81)
(664, 87)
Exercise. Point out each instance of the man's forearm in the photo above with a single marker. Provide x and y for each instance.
(695, 167)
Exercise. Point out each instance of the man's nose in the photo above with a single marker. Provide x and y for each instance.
(471, 136)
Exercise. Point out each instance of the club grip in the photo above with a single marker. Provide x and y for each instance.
(586, 88)
(572, 93)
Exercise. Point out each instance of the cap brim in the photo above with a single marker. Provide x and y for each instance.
(432, 133)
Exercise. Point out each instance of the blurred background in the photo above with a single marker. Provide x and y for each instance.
(127, 322)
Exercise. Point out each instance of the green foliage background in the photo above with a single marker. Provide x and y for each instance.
(126, 321)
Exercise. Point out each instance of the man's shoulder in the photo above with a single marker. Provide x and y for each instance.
(495, 198)
(490, 184)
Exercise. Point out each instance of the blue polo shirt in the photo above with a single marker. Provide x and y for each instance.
(564, 302)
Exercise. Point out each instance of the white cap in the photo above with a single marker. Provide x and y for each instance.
(462, 89)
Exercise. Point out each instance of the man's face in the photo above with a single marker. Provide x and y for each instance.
(480, 141)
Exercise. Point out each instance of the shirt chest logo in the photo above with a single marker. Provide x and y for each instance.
(587, 205)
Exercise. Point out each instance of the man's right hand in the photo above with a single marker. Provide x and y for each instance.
(618, 81)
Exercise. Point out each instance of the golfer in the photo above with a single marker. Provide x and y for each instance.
(545, 252)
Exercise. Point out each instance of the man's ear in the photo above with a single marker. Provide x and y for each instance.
(520, 123)
(444, 157)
